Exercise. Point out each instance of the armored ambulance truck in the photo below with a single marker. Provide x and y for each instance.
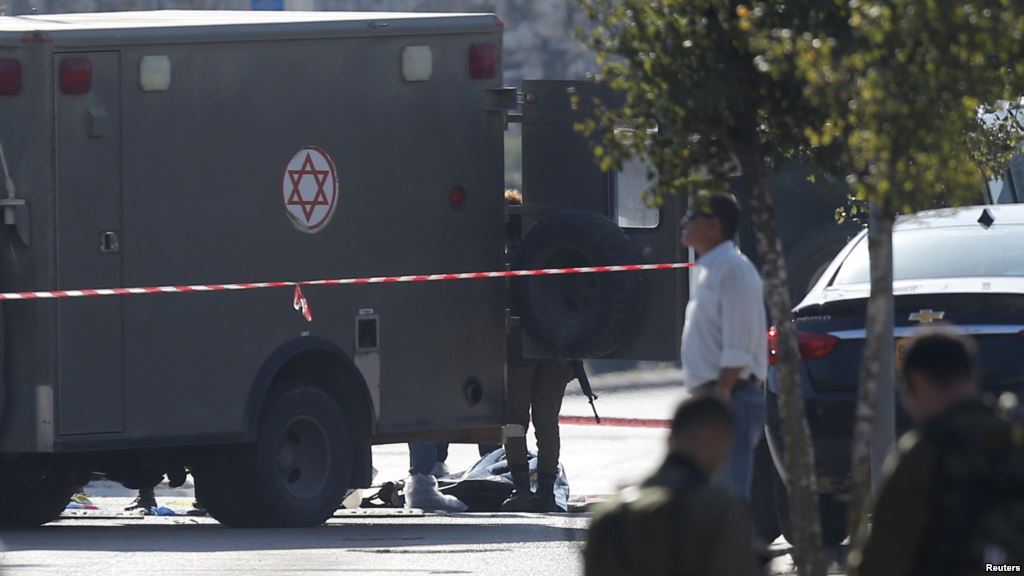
(187, 150)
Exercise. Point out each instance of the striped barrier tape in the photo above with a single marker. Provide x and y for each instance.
(299, 301)
(615, 422)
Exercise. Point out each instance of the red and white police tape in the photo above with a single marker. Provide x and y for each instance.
(299, 301)
(616, 422)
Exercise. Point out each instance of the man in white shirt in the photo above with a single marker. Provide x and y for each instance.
(724, 350)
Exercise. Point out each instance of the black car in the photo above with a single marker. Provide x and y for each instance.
(948, 267)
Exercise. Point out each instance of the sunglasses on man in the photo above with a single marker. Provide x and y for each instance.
(693, 214)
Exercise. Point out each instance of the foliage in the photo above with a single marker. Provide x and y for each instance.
(906, 99)
(699, 105)
(696, 84)
(912, 101)
(922, 94)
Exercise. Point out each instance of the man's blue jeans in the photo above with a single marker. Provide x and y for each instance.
(747, 427)
(423, 456)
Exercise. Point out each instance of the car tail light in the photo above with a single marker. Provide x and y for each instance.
(36, 37)
(457, 197)
(812, 345)
(484, 61)
(75, 75)
(10, 76)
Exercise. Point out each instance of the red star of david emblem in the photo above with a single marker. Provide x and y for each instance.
(319, 176)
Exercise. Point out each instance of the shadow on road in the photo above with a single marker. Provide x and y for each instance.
(217, 538)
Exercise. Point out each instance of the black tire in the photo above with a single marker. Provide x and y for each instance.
(809, 258)
(33, 493)
(832, 511)
(297, 472)
(578, 315)
(762, 494)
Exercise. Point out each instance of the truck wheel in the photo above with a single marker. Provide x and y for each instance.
(33, 493)
(578, 315)
(297, 472)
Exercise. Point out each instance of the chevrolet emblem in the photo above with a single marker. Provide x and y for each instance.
(927, 316)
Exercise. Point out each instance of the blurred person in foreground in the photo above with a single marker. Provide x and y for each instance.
(952, 498)
(677, 522)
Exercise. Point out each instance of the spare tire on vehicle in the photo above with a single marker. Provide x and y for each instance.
(578, 315)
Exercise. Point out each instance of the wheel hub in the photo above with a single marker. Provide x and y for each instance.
(304, 458)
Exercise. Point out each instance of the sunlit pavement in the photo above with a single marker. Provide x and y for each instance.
(598, 460)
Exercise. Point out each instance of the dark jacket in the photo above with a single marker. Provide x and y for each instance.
(675, 523)
(920, 522)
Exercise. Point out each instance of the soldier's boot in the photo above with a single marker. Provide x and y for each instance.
(521, 500)
(544, 499)
(144, 503)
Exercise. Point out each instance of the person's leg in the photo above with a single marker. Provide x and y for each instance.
(421, 489)
(517, 412)
(422, 457)
(440, 469)
(548, 390)
(485, 449)
(748, 423)
(145, 501)
(198, 508)
(517, 418)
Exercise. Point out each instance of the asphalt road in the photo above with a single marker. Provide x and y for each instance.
(598, 460)
(458, 544)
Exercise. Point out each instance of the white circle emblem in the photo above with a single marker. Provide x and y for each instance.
(309, 189)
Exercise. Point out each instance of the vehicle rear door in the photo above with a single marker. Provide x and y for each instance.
(88, 157)
(560, 173)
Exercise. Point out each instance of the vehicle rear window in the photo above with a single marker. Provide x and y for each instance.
(960, 252)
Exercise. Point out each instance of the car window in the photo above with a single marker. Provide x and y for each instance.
(999, 191)
(960, 252)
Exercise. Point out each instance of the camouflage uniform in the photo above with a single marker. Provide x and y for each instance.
(674, 523)
(933, 495)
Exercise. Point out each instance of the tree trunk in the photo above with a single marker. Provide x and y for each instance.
(797, 448)
(874, 431)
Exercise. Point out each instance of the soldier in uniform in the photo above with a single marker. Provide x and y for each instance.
(941, 479)
(537, 387)
(677, 522)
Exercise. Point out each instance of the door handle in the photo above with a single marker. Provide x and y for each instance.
(110, 242)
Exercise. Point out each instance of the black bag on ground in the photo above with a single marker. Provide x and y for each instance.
(483, 487)
(486, 484)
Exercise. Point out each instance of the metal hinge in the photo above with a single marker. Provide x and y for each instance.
(501, 99)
